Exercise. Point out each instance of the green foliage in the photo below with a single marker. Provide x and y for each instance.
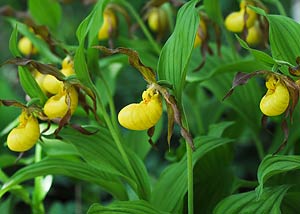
(175, 55)
(247, 202)
(125, 207)
(46, 13)
(85, 161)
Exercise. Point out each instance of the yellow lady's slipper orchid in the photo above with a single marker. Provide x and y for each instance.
(235, 22)
(67, 66)
(277, 98)
(57, 105)
(143, 115)
(53, 85)
(25, 135)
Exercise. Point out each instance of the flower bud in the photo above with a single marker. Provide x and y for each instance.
(26, 47)
(109, 25)
(158, 19)
(255, 35)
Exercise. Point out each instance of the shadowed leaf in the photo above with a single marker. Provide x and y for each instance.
(272, 165)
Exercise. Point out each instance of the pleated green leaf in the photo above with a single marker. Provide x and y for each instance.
(243, 203)
(273, 165)
(175, 54)
(100, 151)
(69, 167)
(125, 207)
(284, 38)
(30, 86)
(46, 12)
(173, 180)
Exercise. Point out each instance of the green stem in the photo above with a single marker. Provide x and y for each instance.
(280, 8)
(37, 204)
(110, 103)
(190, 173)
(142, 25)
(259, 147)
(190, 179)
(115, 135)
(230, 43)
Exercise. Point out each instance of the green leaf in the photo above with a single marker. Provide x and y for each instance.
(68, 167)
(125, 207)
(245, 100)
(290, 203)
(175, 55)
(216, 65)
(81, 68)
(30, 86)
(273, 165)
(216, 130)
(17, 190)
(55, 147)
(213, 179)
(213, 10)
(92, 23)
(96, 20)
(137, 141)
(13, 42)
(247, 202)
(259, 55)
(89, 147)
(283, 34)
(46, 12)
(173, 180)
